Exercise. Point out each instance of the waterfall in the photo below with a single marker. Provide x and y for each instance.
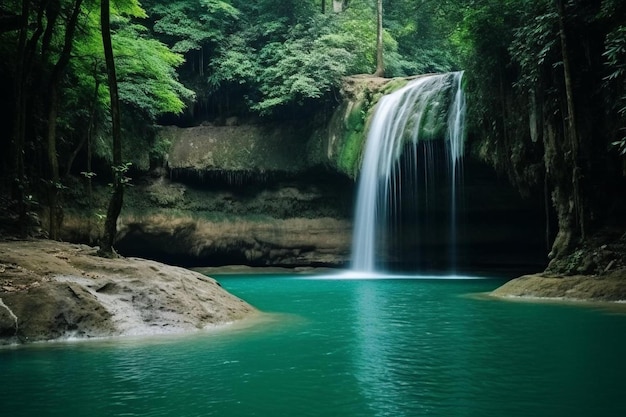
(428, 109)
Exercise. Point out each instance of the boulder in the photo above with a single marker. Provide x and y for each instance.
(51, 290)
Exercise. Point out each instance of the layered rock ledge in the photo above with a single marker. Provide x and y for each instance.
(604, 288)
(51, 290)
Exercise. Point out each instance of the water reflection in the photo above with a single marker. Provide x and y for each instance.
(353, 348)
(418, 353)
(372, 360)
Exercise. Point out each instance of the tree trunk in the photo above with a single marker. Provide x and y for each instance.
(558, 175)
(19, 126)
(571, 132)
(26, 49)
(201, 61)
(56, 212)
(380, 64)
(89, 170)
(87, 137)
(117, 198)
(53, 10)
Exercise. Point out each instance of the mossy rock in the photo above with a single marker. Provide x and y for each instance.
(248, 148)
(394, 84)
(281, 148)
(348, 129)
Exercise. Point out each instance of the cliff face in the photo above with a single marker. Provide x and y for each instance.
(301, 222)
(271, 194)
(193, 221)
(247, 149)
(246, 152)
(282, 194)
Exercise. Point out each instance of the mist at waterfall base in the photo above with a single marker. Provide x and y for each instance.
(414, 213)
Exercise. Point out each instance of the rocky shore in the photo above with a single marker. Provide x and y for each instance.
(610, 287)
(595, 272)
(51, 290)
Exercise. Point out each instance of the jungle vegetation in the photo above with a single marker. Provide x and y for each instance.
(546, 81)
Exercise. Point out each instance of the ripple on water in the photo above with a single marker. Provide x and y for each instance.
(373, 347)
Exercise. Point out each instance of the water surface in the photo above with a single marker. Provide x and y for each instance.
(377, 347)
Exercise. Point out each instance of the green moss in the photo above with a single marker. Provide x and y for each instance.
(356, 118)
(350, 146)
(160, 148)
(394, 85)
(240, 149)
(223, 217)
(350, 154)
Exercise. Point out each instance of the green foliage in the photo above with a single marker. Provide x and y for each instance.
(146, 72)
(297, 70)
(120, 172)
(270, 55)
(190, 24)
(615, 53)
(423, 34)
(351, 144)
(129, 8)
(546, 89)
(350, 155)
(356, 32)
(147, 81)
(279, 65)
(615, 80)
(145, 68)
(235, 64)
(535, 42)
(159, 149)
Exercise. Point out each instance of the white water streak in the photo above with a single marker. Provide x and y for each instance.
(400, 118)
(456, 142)
(11, 314)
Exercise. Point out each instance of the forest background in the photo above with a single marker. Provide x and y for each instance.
(546, 83)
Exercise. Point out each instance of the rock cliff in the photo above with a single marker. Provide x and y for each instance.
(282, 194)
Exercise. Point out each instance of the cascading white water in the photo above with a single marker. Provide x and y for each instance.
(408, 116)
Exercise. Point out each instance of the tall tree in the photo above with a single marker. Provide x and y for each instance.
(55, 214)
(193, 28)
(117, 197)
(19, 124)
(380, 63)
(339, 5)
(23, 78)
(538, 78)
(572, 130)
